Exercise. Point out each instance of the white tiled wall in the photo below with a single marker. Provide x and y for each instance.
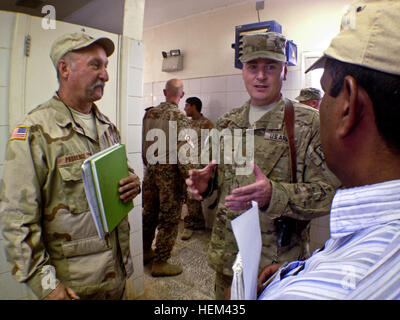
(9, 287)
(219, 94)
(135, 114)
(6, 30)
(222, 93)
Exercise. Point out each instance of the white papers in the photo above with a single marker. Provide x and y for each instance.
(90, 190)
(246, 229)
(91, 197)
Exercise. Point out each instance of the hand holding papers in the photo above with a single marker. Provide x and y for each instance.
(246, 229)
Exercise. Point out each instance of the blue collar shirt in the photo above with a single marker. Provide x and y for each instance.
(364, 224)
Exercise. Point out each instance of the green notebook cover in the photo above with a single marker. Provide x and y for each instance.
(107, 170)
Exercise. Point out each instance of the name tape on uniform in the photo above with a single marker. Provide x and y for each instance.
(275, 136)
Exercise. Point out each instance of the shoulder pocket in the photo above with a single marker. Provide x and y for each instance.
(316, 155)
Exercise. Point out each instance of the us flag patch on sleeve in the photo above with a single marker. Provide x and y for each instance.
(20, 133)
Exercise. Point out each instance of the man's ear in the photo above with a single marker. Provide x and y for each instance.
(63, 69)
(284, 71)
(350, 106)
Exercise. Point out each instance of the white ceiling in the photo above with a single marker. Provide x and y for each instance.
(158, 12)
(108, 14)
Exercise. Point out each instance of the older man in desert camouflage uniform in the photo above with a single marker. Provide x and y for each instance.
(51, 238)
(163, 179)
(285, 208)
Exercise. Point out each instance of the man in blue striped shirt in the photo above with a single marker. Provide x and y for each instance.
(360, 115)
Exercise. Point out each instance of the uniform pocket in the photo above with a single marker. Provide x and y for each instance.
(84, 247)
(90, 261)
(75, 197)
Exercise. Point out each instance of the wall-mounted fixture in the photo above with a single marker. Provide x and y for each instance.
(172, 61)
(174, 53)
(263, 26)
(259, 6)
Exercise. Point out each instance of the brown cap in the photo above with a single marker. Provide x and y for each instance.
(74, 41)
(269, 45)
(369, 37)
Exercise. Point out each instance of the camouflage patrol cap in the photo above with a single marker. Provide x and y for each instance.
(309, 94)
(369, 37)
(74, 41)
(269, 45)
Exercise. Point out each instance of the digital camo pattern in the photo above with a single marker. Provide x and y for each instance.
(309, 94)
(270, 45)
(195, 219)
(201, 123)
(309, 198)
(162, 206)
(167, 118)
(45, 215)
(162, 191)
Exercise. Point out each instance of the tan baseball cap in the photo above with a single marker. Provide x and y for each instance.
(309, 94)
(269, 45)
(74, 41)
(369, 36)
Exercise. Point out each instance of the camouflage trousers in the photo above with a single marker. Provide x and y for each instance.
(222, 283)
(162, 205)
(194, 219)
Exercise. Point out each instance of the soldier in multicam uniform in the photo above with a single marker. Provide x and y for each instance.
(51, 238)
(163, 179)
(292, 204)
(194, 220)
(310, 96)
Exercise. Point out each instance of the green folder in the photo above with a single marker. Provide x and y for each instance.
(101, 175)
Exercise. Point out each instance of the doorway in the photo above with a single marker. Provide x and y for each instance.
(33, 77)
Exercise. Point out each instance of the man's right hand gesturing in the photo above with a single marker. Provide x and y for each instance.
(198, 180)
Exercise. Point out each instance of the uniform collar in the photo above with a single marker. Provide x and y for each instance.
(170, 103)
(272, 120)
(63, 116)
(200, 118)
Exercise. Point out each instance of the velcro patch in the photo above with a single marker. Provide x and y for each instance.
(20, 133)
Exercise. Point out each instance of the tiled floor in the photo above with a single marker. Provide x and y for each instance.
(197, 279)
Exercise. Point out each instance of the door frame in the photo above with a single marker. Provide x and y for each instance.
(18, 61)
(304, 65)
(18, 72)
